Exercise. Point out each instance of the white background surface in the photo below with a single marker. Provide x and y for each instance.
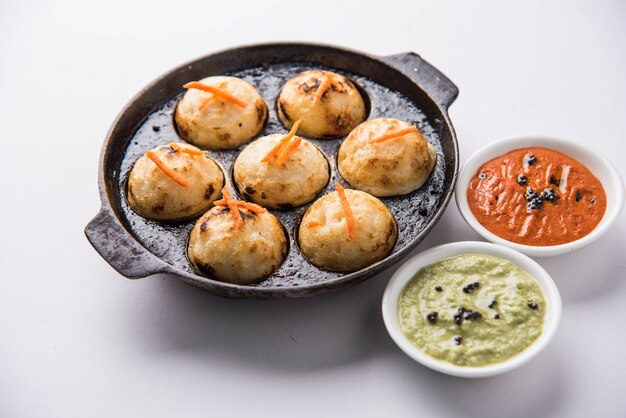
(78, 340)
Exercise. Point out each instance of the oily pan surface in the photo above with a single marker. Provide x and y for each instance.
(412, 212)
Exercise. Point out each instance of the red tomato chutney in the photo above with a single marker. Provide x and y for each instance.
(536, 196)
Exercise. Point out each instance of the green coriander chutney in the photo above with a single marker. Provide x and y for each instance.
(472, 310)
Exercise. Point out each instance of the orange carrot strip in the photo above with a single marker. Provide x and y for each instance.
(313, 224)
(393, 135)
(190, 151)
(282, 142)
(167, 169)
(241, 204)
(287, 149)
(205, 102)
(232, 205)
(221, 93)
(251, 207)
(328, 81)
(351, 224)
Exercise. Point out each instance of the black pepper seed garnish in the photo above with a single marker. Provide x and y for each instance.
(578, 196)
(533, 306)
(493, 303)
(553, 180)
(156, 128)
(439, 288)
(432, 317)
(471, 287)
(530, 194)
(548, 194)
(482, 176)
(530, 159)
(496, 316)
(470, 315)
(522, 180)
(458, 340)
(535, 204)
(458, 316)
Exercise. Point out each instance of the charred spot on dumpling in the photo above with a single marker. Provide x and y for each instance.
(219, 249)
(328, 104)
(282, 109)
(261, 113)
(294, 182)
(154, 194)
(212, 122)
(309, 85)
(209, 191)
(386, 157)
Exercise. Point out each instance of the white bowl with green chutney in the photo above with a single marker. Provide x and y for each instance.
(471, 309)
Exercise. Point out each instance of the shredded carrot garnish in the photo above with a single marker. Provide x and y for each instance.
(287, 149)
(393, 135)
(351, 224)
(328, 81)
(167, 169)
(240, 203)
(313, 224)
(217, 92)
(251, 207)
(232, 205)
(190, 151)
(205, 102)
(276, 150)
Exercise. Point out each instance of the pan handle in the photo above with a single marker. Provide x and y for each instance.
(119, 249)
(438, 86)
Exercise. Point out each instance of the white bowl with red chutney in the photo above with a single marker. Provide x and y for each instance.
(539, 195)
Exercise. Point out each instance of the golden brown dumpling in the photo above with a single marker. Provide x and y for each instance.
(241, 255)
(328, 104)
(301, 177)
(397, 165)
(324, 239)
(218, 121)
(195, 184)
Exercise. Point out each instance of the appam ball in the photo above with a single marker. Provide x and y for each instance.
(295, 182)
(323, 237)
(221, 251)
(328, 104)
(395, 166)
(210, 121)
(156, 195)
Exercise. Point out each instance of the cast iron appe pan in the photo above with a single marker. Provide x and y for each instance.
(110, 233)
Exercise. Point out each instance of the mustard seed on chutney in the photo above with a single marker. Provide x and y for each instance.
(536, 196)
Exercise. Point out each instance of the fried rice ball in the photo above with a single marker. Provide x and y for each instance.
(244, 255)
(210, 121)
(297, 181)
(328, 104)
(323, 237)
(156, 195)
(395, 166)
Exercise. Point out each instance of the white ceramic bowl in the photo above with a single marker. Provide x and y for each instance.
(599, 166)
(406, 272)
